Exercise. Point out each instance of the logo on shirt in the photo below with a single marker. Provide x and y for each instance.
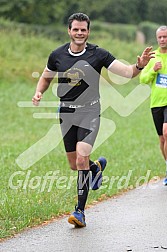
(74, 76)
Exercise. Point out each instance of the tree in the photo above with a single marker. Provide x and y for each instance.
(157, 11)
(46, 12)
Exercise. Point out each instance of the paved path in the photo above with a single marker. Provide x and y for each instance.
(135, 221)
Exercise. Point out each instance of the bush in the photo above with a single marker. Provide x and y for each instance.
(149, 30)
(124, 32)
(50, 31)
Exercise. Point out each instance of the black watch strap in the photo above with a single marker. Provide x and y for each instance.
(139, 68)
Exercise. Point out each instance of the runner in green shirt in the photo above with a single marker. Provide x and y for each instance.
(155, 74)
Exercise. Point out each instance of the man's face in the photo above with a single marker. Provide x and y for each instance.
(162, 39)
(79, 32)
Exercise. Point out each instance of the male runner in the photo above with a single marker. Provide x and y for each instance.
(78, 64)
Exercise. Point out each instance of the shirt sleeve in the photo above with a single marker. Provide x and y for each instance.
(147, 75)
(51, 65)
(106, 57)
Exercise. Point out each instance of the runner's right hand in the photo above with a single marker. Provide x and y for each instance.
(36, 98)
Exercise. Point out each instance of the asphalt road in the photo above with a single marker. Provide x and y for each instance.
(135, 221)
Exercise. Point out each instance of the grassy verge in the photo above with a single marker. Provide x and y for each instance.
(27, 198)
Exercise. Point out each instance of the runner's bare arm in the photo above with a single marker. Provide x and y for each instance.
(43, 84)
(130, 71)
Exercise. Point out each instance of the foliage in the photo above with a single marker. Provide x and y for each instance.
(55, 32)
(47, 12)
(149, 29)
(157, 10)
(119, 31)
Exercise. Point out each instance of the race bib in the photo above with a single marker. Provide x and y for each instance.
(161, 80)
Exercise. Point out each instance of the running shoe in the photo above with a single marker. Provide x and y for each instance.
(97, 176)
(165, 181)
(77, 218)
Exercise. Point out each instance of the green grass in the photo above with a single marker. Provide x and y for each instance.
(132, 147)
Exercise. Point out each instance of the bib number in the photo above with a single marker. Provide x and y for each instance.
(161, 81)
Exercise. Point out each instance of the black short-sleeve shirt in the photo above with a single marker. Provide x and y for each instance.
(78, 74)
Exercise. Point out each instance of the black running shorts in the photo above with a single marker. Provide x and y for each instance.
(79, 124)
(160, 117)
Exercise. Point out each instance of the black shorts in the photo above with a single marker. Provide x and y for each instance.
(160, 117)
(79, 124)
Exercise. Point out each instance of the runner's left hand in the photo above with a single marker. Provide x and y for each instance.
(147, 54)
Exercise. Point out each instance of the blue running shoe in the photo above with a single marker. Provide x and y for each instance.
(97, 176)
(77, 218)
(165, 181)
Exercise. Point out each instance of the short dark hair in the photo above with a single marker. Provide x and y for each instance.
(79, 17)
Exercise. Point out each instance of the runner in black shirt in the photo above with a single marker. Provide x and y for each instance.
(79, 65)
(76, 68)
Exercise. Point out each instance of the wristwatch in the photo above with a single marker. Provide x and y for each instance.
(139, 68)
